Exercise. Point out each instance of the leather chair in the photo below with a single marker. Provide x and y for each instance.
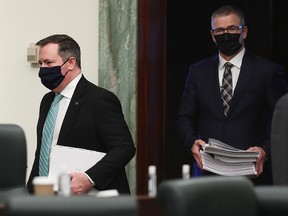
(209, 195)
(13, 158)
(272, 200)
(71, 206)
(279, 140)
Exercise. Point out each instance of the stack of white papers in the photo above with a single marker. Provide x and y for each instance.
(223, 159)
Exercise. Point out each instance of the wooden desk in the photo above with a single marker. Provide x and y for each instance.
(148, 206)
(1, 209)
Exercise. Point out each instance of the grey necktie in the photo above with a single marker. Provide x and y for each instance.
(227, 90)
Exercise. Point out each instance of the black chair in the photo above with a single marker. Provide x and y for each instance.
(279, 142)
(208, 196)
(13, 158)
(71, 206)
(272, 200)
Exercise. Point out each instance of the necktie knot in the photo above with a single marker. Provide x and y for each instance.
(228, 65)
(57, 98)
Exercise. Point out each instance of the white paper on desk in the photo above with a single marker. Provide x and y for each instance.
(73, 159)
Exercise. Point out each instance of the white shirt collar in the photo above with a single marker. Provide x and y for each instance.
(70, 88)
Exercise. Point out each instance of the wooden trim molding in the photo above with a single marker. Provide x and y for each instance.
(150, 90)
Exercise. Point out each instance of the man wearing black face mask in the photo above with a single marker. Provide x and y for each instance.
(77, 113)
(231, 96)
(51, 77)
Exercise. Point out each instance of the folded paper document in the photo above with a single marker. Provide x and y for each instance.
(72, 160)
(223, 159)
(234, 159)
(219, 148)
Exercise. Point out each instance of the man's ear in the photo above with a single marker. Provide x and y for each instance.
(244, 32)
(72, 63)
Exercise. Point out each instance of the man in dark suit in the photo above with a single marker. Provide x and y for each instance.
(234, 108)
(279, 142)
(89, 117)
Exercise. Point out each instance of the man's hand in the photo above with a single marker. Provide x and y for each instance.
(260, 160)
(80, 184)
(196, 147)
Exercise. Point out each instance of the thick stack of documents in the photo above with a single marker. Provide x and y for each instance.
(223, 159)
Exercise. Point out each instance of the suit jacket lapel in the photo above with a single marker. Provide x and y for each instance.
(243, 80)
(216, 85)
(44, 110)
(72, 112)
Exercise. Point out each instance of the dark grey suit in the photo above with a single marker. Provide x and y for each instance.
(260, 84)
(93, 121)
(279, 142)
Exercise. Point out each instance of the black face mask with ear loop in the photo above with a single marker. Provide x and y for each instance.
(51, 77)
(228, 43)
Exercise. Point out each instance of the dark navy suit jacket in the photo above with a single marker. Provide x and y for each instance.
(260, 84)
(93, 121)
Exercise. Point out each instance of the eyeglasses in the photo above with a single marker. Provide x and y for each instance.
(230, 29)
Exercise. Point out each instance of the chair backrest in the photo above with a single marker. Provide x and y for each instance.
(71, 206)
(279, 140)
(205, 196)
(272, 200)
(13, 156)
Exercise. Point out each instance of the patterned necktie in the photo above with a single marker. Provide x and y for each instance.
(47, 136)
(227, 90)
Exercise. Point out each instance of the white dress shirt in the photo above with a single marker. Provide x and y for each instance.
(235, 70)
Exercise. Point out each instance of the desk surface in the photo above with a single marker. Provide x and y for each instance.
(1, 209)
(148, 206)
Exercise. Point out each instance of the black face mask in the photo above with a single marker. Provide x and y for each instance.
(228, 44)
(51, 77)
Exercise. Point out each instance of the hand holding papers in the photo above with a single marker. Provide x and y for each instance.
(222, 159)
(73, 159)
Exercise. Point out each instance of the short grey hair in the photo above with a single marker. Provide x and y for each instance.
(229, 9)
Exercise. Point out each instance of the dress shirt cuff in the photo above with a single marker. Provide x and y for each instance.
(92, 182)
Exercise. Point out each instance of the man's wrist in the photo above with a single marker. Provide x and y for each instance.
(92, 182)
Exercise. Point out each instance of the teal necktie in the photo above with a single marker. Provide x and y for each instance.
(47, 136)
